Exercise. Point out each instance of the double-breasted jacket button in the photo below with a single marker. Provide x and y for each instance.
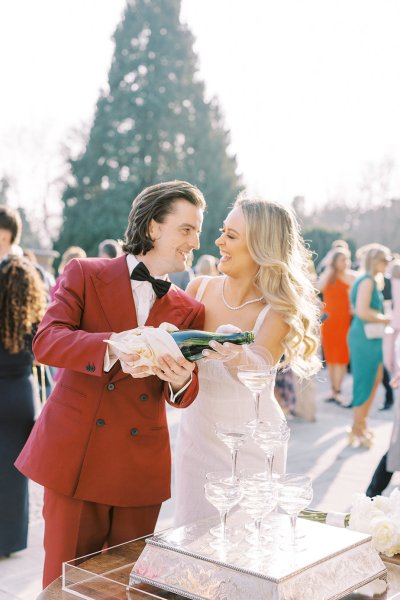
(143, 397)
(111, 387)
(100, 422)
(134, 431)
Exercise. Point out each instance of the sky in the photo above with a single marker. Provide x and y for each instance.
(310, 89)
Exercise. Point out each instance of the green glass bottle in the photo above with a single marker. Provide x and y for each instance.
(192, 342)
(337, 519)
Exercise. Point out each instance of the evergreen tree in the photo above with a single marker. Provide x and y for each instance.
(152, 124)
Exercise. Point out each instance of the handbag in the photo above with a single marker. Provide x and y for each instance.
(374, 331)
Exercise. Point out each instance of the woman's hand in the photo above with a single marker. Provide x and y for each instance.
(225, 352)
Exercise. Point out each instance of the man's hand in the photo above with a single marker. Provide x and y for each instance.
(176, 372)
(127, 360)
(128, 364)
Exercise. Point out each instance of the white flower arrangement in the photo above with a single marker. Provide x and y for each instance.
(378, 516)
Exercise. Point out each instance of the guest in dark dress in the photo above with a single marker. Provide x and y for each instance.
(22, 304)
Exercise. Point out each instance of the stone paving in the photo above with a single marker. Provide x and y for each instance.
(318, 449)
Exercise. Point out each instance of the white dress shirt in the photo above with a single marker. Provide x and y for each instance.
(143, 293)
(144, 297)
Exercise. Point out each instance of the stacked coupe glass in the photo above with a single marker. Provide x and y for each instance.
(257, 494)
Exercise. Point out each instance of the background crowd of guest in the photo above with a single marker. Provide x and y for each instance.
(355, 292)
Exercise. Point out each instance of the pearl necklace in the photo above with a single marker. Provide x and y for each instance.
(240, 305)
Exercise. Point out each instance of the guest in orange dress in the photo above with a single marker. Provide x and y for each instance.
(334, 283)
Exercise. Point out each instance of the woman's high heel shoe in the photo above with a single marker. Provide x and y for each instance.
(366, 441)
(359, 441)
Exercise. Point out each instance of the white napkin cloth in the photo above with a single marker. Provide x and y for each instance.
(148, 342)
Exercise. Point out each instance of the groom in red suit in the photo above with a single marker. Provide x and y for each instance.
(101, 446)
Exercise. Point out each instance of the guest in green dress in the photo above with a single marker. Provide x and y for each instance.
(366, 352)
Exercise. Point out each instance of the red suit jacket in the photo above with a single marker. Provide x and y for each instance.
(103, 437)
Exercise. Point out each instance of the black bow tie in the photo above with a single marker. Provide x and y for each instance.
(141, 273)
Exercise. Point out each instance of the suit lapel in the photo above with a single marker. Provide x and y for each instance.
(170, 308)
(114, 291)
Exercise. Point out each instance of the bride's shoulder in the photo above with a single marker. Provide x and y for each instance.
(198, 282)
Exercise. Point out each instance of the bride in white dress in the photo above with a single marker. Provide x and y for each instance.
(265, 289)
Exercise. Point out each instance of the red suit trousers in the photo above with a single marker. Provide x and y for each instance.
(75, 528)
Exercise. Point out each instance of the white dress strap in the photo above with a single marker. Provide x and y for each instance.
(202, 287)
(260, 319)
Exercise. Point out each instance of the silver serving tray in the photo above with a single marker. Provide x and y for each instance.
(335, 563)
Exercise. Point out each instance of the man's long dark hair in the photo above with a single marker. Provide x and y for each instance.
(156, 202)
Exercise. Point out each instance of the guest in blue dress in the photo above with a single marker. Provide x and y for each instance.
(22, 304)
(365, 339)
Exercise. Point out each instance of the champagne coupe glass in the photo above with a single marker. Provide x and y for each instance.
(223, 494)
(216, 476)
(259, 498)
(270, 436)
(255, 474)
(234, 436)
(295, 494)
(256, 372)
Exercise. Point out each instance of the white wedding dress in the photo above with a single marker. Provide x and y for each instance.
(221, 398)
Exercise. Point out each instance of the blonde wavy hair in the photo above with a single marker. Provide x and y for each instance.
(368, 256)
(275, 243)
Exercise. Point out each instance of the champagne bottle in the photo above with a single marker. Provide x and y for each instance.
(192, 342)
(329, 518)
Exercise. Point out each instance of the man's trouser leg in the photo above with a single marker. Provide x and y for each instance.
(75, 528)
(380, 479)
